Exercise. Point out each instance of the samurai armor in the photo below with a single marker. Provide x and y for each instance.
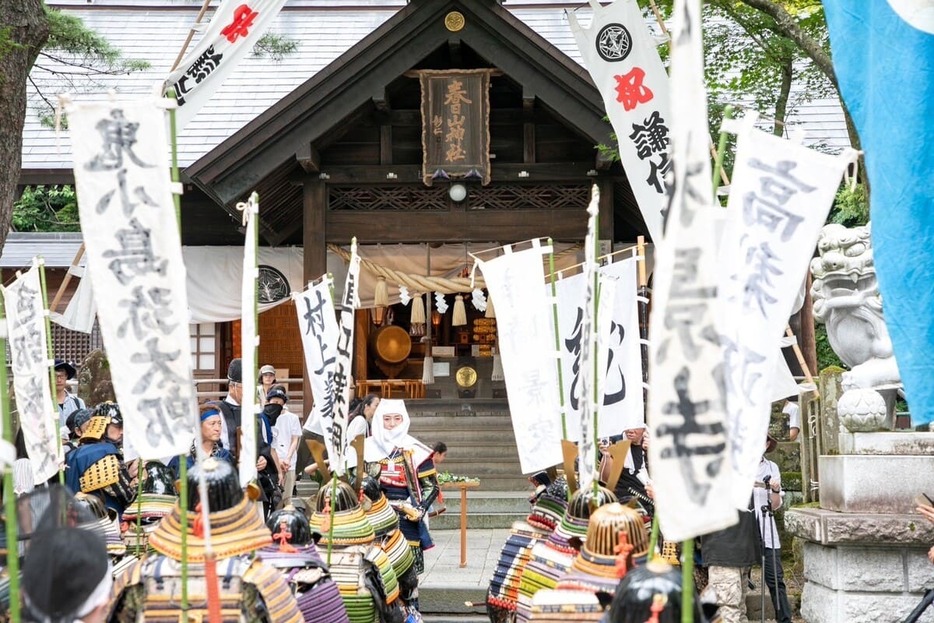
(101, 473)
(315, 591)
(503, 592)
(559, 606)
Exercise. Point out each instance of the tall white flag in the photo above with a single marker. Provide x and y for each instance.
(134, 261)
(779, 200)
(337, 432)
(235, 28)
(689, 453)
(318, 326)
(526, 343)
(32, 372)
(622, 59)
(623, 405)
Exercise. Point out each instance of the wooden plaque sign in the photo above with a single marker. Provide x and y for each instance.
(455, 124)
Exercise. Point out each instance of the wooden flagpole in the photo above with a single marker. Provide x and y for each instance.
(51, 356)
(75, 263)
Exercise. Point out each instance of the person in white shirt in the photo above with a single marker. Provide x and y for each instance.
(768, 494)
(286, 433)
(793, 411)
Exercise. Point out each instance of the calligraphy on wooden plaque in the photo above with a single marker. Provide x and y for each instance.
(455, 124)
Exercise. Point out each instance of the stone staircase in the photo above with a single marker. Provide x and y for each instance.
(480, 439)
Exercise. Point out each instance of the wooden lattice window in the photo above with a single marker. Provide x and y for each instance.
(530, 197)
(74, 346)
(399, 198)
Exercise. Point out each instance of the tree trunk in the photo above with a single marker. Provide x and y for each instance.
(23, 31)
(784, 92)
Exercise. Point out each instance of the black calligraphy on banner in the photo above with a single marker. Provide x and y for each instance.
(30, 365)
(135, 249)
(615, 384)
(573, 345)
(651, 136)
(706, 439)
(340, 381)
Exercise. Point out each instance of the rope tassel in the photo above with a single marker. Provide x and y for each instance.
(381, 297)
(418, 310)
(460, 312)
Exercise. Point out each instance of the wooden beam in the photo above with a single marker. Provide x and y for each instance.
(468, 225)
(454, 47)
(605, 184)
(381, 101)
(309, 158)
(501, 172)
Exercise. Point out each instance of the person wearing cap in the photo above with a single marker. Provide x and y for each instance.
(267, 378)
(634, 477)
(231, 419)
(768, 493)
(67, 402)
(286, 433)
(210, 440)
(67, 576)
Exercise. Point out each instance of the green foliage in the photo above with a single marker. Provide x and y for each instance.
(7, 44)
(72, 60)
(46, 208)
(826, 357)
(850, 207)
(276, 46)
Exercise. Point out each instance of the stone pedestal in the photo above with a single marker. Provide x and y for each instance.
(865, 551)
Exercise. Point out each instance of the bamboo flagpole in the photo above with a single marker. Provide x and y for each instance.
(40, 262)
(568, 449)
(9, 498)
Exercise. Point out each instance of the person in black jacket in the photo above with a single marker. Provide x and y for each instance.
(729, 554)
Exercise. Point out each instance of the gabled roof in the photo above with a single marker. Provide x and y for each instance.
(325, 100)
(154, 31)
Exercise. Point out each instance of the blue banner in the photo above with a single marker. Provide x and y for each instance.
(883, 54)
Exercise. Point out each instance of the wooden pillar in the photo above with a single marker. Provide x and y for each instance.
(314, 242)
(605, 184)
(806, 337)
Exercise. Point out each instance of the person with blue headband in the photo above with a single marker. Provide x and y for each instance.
(210, 439)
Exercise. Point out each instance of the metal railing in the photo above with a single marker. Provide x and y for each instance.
(295, 388)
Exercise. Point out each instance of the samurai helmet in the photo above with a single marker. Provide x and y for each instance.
(604, 528)
(585, 500)
(91, 504)
(345, 498)
(654, 582)
(293, 522)
(159, 479)
(110, 410)
(223, 485)
(371, 488)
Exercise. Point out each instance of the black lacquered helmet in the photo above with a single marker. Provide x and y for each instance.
(223, 485)
(90, 505)
(293, 522)
(585, 501)
(344, 500)
(110, 410)
(159, 479)
(656, 581)
(371, 488)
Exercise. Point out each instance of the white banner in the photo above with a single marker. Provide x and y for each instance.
(318, 325)
(779, 200)
(526, 343)
(234, 29)
(134, 261)
(29, 351)
(623, 404)
(249, 341)
(336, 431)
(619, 52)
(689, 453)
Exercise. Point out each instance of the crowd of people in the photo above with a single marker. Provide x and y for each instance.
(380, 514)
(128, 515)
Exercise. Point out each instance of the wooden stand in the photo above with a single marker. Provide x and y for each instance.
(463, 486)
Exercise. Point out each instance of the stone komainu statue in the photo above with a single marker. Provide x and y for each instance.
(847, 299)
